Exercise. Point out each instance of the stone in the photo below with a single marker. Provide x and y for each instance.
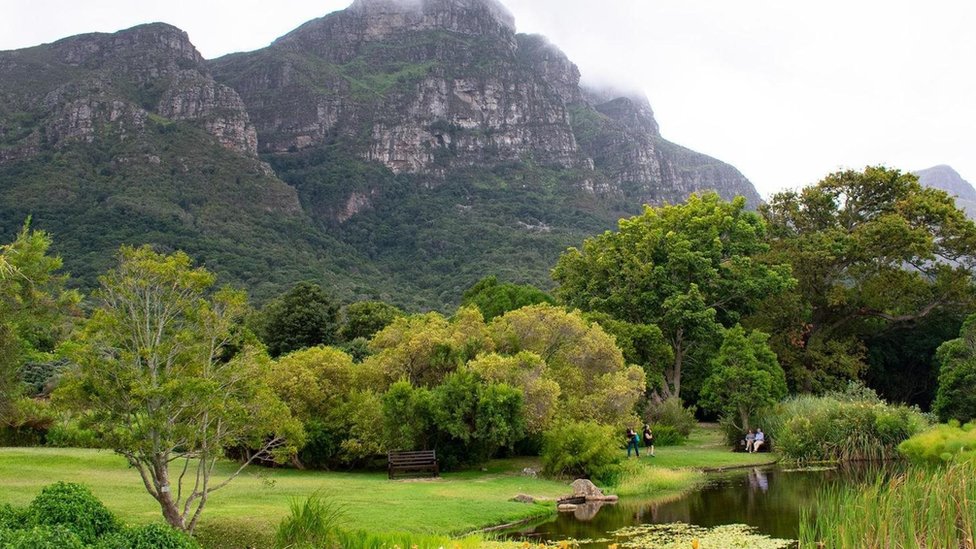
(530, 472)
(584, 488)
(524, 498)
(567, 508)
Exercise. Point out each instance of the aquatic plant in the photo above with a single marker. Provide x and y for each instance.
(683, 536)
(919, 509)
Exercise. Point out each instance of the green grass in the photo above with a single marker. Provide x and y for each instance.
(246, 512)
(250, 508)
(676, 469)
(704, 449)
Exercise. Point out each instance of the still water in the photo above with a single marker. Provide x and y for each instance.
(768, 499)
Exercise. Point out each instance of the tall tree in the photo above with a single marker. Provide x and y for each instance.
(746, 377)
(871, 250)
(36, 310)
(689, 269)
(169, 378)
(304, 316)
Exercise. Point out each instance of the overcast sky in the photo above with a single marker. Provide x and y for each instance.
(785, 91)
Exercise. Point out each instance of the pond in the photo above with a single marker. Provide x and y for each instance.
(767, 499)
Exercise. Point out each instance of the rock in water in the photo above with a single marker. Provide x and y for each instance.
(584, 488)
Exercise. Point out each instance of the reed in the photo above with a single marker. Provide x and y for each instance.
(919, 509)
(848, 426)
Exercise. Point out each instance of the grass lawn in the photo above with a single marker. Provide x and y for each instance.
(246, 512)
(251, 506)
(705, 449)
(676, 469)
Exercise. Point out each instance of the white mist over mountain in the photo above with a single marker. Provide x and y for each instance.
(786, 92)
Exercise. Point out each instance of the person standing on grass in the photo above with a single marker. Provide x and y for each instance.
(633, 441)
(760, 439)
(649, 439)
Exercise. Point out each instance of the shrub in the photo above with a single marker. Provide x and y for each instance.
(71, 434)
(313, 523)
(670, 413)
(942, 444)
(41, 537)
(11, 517)
(854, 425)
(74, 507)
(158, 536)
(150, 536)
(584, 449)
(667, 435)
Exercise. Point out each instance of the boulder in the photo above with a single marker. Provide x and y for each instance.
(584, 488)
(524, 498)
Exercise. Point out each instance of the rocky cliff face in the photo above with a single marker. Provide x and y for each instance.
(398, 149)
(76, 87)
(430, 86)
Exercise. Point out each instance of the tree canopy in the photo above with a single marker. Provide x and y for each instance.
(688, 269)
(956, 397)
(165, 373)
(302, 317)
(746, 377)
(36, 309)
(870, 249)
(494, 299)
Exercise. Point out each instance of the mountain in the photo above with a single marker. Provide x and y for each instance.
(945, 178)
(397, 149)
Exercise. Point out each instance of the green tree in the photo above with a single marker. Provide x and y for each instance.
(595, 384)
(495, 299)
(746, 377)
(871, 250)
(304, 316)
(168, 377)
(955, 397)
(423, 349)
(364, 318)
(689, 269)
(332, 397)
(36, 310)
(529, 373)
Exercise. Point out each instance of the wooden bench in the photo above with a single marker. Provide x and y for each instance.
(413, 462)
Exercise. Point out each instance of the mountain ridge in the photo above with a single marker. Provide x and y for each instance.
(392, 150)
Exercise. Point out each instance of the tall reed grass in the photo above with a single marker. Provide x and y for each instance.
(854, 425)
(919, 509)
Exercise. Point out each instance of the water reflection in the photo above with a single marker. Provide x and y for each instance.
(769, 499)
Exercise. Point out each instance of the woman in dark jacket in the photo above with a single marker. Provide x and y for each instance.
(649, 439)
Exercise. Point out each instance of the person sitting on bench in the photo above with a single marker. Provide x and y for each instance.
(750, 439)
(760, 439)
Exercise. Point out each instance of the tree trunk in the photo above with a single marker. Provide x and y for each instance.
(744, 417)
(165, 496)
(676, 372)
